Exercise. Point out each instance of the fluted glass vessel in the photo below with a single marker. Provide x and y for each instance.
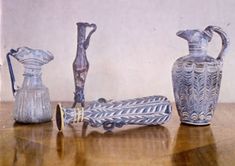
(32, 101)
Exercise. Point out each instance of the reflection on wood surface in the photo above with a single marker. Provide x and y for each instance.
(168, 145)
(199, 148)
(143, 144)
(29, 148)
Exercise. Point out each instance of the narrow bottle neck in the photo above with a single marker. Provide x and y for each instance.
(32, 70)
(81, 52)
(196, 49)
(31, 81)
(80, 41)
(81, 35)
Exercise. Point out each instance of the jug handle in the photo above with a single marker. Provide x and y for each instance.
(86, 43)
(13, 82)
(224, 38)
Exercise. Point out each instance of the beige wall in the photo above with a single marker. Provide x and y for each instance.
(130, 54)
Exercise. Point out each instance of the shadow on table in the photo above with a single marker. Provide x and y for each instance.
(134, 146)
(195, 146)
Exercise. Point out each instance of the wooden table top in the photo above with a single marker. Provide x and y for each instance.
(169, 144)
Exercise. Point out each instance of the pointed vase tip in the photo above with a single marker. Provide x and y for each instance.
(183, 34)
(179, 33)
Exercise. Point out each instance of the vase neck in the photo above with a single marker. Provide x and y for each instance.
(31, 81)
(81, 30)
(197, 49)
(32, 70)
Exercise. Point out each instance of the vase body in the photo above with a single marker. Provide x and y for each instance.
(81, 64)
(197, 77)
(151, 110)
(32, 101)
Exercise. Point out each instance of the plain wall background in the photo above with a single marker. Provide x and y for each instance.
(131, 53)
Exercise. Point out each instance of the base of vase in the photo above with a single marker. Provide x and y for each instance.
(195, 123)
(32, 122)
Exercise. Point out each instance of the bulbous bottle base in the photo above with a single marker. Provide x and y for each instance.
(23, 121)
(26, 119)
(32, 106)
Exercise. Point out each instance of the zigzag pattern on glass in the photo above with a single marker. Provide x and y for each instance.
(196, 89)
(152, 110)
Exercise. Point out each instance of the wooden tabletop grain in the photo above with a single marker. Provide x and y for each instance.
(169, 144)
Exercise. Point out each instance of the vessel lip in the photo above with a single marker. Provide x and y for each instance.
(82, 23)
(59, 117)
(181, 31)
(188, 32)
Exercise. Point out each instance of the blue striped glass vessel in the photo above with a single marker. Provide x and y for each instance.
(197, 77)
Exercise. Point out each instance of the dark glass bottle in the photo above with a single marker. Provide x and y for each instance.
(81, 64)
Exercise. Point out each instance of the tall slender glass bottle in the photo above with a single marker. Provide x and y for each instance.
(81, 64)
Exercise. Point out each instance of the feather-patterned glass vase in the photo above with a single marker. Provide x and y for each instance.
(197, 77)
